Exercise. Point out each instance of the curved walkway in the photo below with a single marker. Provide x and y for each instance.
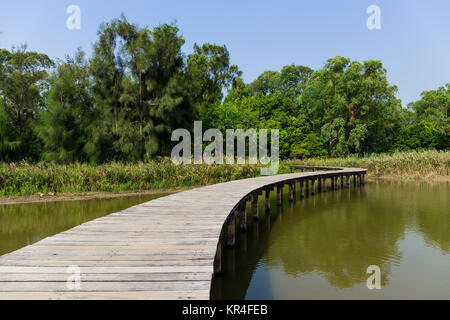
(168, 248)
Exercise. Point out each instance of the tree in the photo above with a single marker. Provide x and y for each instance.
(239, 90)
(267, 83)
(209, 71)
(171, 107)
(64, 125)
(311, 146)
(9, 146)
(229, 116)
(292, 134)
(107, 70)
(419, 136)
(433, 107)
(290, 82)
(137, 88)
(273, 106)
(22, 88)
(352, 106)
(293, 80)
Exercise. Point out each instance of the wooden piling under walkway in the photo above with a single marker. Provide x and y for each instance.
(167, 248)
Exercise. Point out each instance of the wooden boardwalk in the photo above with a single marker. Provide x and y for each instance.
(168, 248)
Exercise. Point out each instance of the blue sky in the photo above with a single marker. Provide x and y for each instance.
(413, 43)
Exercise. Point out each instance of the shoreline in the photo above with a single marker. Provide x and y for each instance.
(111, 195)
(86, 196)
(410, 178)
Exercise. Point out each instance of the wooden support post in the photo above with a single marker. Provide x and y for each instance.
(242, 214)
(319, 184)
(342, 182)
(267, 199)
(255, 208)
(313, 186)
(336, 183)
(302, 192)
(359, 180)
(324, 184)
(231, 235)
(354, 180)
(347, 181)
(291, 192)
(280, 195)
(306, 186)
(364, 179)
(332, 183)
(218, 259)
(295, 189)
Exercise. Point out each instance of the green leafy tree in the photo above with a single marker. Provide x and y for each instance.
(9, 146)
(138, 87)
(229, 116)
(107, 70)
(352, 106)
(65, 123)
(273, 106)
(311, 146)
(433, 107)
(239, 90)
(171, 106)
(267, 83)
(334, 136)
(22, 86)
(209, 71)
(419, 136)
(293, 80)
(290, 82)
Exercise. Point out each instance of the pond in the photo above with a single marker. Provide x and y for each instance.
(24, 224)
(316, 248)
(320, 247)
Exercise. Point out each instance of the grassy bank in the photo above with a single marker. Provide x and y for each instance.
(24, 179)
(29, 179)
(422, 165)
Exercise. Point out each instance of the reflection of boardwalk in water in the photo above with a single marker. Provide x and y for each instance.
(167, 248)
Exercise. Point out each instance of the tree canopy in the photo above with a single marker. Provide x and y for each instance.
(123, 102)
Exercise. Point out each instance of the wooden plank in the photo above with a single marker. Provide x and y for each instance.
(106, 263)
(109, 257)
(105, 286)
(30, 251)
(16, 269)
(123, 295)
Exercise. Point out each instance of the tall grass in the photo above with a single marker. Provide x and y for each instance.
(27, 179)
(412, 164)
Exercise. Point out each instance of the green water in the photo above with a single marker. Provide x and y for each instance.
(24, 224)
(321, 247)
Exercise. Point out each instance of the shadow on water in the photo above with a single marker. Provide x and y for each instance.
(24, 224)
(321, 246)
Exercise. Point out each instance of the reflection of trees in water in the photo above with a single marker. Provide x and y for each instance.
(338, 239)
(433, 216)
(24, 224)
(428, 206)
(339, 234)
